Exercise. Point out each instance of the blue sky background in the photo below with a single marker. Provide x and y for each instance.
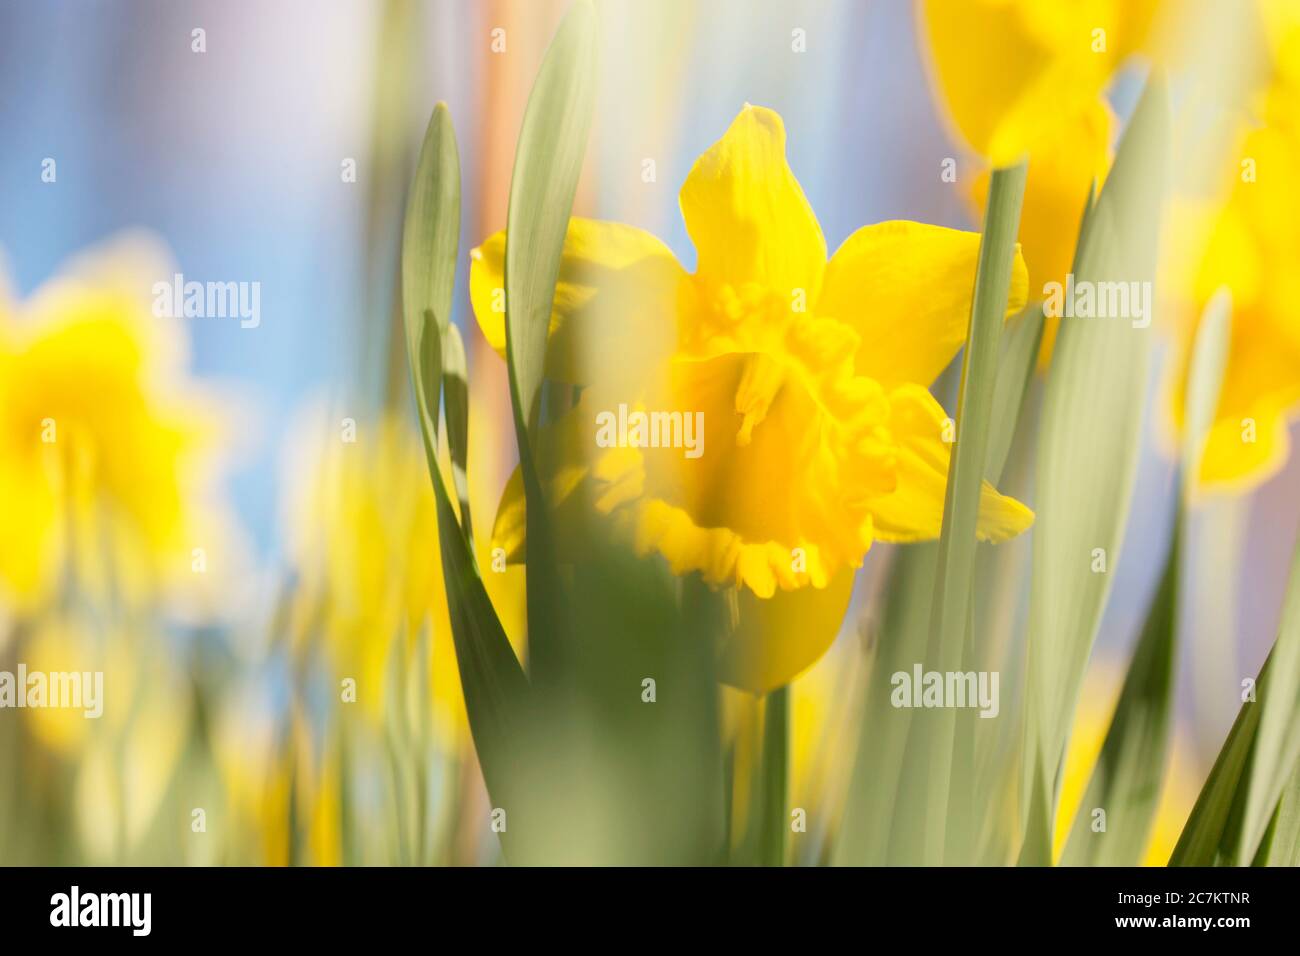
(232, 158)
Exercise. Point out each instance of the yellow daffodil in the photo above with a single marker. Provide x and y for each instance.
(1248, 244)
(1010, 70)
(104, 449)
(364, 534)
(808, 380)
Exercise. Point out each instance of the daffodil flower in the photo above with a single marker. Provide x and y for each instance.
(106, 451)
(820, 435)
(1010, 70)
(1248, 244)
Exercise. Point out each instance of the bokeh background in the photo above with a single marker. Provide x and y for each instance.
(232, 160)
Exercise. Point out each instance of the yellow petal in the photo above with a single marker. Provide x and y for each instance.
(1248, 442)
(906, 287)
(1009, 69)
(747, 214)
(616, 296)
(778, 637)
(914, 510)
(563, 468)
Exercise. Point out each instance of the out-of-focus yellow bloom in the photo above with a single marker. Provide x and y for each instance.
(103, 447)
(251, 755)
(1010, 70)
(363, 531)
(125, 758)
(1064, 161)
(1091, 721)
(1249, 244)
(808, 379)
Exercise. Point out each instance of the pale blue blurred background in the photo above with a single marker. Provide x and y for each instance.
(233, 158)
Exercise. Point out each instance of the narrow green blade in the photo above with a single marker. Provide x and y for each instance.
(1089, 442)
(1020, 343)
(1208, 837)
(495, 688)
(455, 395)
(496, 691)
(1126, 781)
(1277, 746)
(548, 159)
(952, 606)
(775, 786)
(1281, 845)
(431, 230)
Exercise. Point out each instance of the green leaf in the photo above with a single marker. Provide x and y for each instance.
(1281, 846)
(1208, 836)
(455, 384)
(774, 784)
(1232, 816)
(548, 159)
(1126, 781)
(431, 230)
(952, 607)
(1277, 744)
(1087, 460)
(1204, 381)
(1021, 340)
(873, 818)
(496, 691)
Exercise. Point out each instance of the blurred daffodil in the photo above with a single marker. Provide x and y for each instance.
(125, 750)
(808, 378)
(105, 450)
(1245, 241)
(363, 533)
(1009, 71)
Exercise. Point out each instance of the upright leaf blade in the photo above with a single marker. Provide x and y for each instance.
(1277, 746)
(495, 688)
(1087, 461)
(1126, 781)
(431, 230)
(1020, 343)
(455, 383)
(548, 159)
(1208, 835)
(930, 765)
(1281, 846)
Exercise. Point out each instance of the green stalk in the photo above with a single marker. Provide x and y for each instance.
(775, 779)
(950, 615)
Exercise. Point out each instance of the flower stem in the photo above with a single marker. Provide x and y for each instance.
(945, 827)
(776, 762)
